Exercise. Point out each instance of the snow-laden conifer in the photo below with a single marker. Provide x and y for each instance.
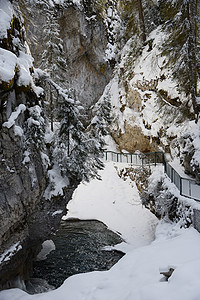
(77, 149)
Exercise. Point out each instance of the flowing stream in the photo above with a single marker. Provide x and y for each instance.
(79, 249)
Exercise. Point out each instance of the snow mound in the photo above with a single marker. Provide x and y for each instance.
(8, 63)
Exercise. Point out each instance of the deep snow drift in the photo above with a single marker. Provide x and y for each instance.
(137, 275)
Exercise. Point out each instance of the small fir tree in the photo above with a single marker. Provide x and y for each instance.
(35, 131)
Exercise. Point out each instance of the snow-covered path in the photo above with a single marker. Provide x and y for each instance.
(137, 275)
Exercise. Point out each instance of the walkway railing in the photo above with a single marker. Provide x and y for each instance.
(137, 159)
(186, 186)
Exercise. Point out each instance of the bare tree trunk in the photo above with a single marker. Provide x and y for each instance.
(68, 136)
(51, 108)
(192, 63)
(141, 17)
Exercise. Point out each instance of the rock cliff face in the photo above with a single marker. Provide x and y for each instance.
(83, 38)
(29, 210)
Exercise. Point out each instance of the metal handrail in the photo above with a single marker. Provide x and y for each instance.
(193, 187)
(154, 158)
(138, 159)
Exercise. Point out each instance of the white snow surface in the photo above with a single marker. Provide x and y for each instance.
(25, 62)
(76, 2)
(8, 63)
(6, 14)
(13, 117)
(137, 275)
(10, 252)
(57, 183)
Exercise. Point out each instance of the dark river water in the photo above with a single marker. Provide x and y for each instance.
(78, 250)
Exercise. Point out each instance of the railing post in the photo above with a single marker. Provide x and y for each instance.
(165, 166)
(190, 188)
(180, 186)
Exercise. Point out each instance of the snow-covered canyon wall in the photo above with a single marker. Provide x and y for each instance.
(151, 108)
(30, 206)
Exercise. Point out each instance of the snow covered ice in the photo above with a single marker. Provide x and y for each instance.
(137, 275)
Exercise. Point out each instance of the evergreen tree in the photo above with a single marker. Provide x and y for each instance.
(97, 129)
(181, 23)
(102, 115)
(76, 150)
(35, 128)
(132, 10)
(53, 60)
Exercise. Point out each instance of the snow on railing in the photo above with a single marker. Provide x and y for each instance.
(137, 158)
(186, 186)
